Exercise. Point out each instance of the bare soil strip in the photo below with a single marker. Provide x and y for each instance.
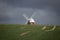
(44, 28)
(22, 34)
(52, 29)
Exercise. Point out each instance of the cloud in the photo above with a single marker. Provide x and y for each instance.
(12, 13)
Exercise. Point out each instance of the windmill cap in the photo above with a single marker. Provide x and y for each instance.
(31, 20)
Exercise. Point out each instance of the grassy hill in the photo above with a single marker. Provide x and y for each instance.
(29, 32)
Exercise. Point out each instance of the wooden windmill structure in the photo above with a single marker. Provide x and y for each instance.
(30, 20)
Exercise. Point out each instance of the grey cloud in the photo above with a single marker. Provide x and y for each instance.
(11, 11)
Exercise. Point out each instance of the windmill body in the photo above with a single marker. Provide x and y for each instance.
(31, 21)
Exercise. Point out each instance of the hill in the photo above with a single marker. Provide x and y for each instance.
(29, 32)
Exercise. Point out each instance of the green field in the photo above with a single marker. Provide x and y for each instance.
(28, 32)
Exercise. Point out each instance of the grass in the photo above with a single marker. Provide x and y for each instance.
(28, 32)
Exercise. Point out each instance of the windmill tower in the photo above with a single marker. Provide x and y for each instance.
(30, 20)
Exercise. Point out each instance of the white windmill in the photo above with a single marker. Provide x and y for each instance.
(30, 20)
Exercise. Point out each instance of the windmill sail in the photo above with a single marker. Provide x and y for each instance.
(25, 16)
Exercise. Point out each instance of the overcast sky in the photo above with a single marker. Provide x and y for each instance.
(47, 11)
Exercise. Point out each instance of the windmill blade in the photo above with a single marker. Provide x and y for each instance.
(33, 14)
(25, 16)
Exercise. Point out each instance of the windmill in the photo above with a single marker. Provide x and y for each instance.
(30, 20)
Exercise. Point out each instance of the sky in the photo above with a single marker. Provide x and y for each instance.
(47, 11)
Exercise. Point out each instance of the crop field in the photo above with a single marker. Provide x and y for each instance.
(29, 32)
